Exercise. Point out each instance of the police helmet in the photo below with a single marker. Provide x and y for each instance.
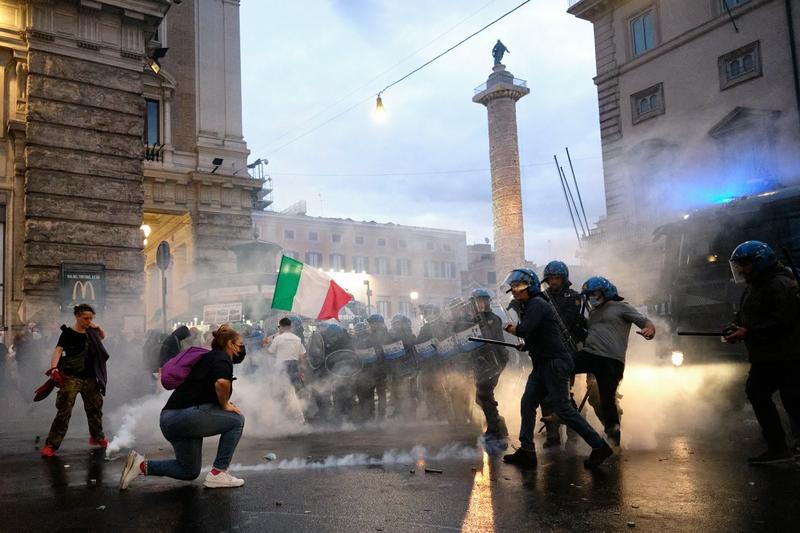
(456, 308)
(400, 322)
(758, 253)
(556, 268)
(599, 283)
(480, 292)
(523, 275)
(332, 333)
(375, 318)
(360, 328)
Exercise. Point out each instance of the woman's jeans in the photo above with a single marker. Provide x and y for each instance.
(185, 429)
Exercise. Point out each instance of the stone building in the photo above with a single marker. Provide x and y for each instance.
(698, 104)
(80, 112)
(396, 260)
(198, 192)
(481, 271)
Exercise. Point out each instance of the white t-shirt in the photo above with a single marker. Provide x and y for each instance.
(286, 346)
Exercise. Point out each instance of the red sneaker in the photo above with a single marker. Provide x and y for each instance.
(48, 451)
(101, 443)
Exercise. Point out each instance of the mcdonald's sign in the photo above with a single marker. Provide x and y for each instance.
(82, 283)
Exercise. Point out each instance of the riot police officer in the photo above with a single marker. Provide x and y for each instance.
(340, 368)
(490, 361)
(365, 380)
(379, 338)
(569, 306)
(769, 325)
(457, 360)
(403, 369)
(606, 346)
(552, 369)
(328, 338)
(430, 366)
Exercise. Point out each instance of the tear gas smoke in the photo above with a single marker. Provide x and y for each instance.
(136, 419)
(262, 391)
(414, 456)
(658, 401)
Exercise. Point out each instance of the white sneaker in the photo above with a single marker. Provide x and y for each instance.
(132, 469)
(222, 480)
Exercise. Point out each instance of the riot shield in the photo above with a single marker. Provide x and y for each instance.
(343, 364)
(316, 351)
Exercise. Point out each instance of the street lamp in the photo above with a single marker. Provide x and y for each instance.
(414, 296)
(146, 230)
(369, 294)
(380, 111)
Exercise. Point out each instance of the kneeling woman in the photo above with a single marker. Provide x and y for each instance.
(199, 407)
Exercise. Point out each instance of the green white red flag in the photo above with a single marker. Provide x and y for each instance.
(304, 290)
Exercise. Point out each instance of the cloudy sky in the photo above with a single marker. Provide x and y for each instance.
(311, 69)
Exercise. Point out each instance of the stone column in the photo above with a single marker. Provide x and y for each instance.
(83, 180)
(500, 95)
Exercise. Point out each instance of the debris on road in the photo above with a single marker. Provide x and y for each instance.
(270, 456)
(101, 508)
(278, 503)
(433, 471)
(631, 524)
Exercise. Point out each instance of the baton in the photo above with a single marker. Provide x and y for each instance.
(492, 341)
(724, 333)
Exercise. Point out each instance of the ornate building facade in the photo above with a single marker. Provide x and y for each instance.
(82, 106)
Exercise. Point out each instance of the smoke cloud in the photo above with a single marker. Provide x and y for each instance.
(418, 455)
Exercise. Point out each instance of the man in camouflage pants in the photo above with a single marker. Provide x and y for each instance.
(65, 400)
(78, 365)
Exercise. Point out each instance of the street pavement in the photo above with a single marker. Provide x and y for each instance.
(688, 483)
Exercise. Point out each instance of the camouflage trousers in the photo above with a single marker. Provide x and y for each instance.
(65, 401)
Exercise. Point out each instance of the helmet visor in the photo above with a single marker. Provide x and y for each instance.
(738, 272)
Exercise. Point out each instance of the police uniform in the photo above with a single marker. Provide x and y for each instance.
(490, 361)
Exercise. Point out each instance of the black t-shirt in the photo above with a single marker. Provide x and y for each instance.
(74, 343)
(199, 385)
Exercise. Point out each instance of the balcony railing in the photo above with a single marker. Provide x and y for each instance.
(516, 82)
(153, 152)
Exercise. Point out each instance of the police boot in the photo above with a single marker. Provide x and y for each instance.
(523, 458)
(496, 428)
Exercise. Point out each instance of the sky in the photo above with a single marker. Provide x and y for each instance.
(310, 73)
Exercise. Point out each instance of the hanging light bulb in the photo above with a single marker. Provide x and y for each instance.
(380, 111)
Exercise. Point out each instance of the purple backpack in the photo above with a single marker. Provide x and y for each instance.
(176, 370)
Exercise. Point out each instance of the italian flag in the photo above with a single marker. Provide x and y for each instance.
(306, 291)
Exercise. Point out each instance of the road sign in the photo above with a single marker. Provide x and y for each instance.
(163, 256)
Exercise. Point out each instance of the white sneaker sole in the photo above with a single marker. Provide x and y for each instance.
(218, 485)
(130, 464)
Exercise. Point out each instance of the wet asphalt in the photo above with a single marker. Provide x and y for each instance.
(689, 483)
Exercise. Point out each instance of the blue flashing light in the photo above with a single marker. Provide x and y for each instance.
(687, 194)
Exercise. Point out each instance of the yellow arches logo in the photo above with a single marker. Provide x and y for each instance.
(85, 287)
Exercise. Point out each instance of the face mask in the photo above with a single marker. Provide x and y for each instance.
(239, 357)
(595, 302)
